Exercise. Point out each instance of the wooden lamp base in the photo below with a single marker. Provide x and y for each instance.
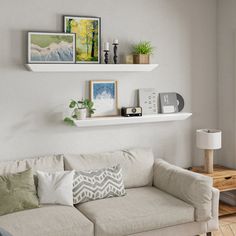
(208, 166)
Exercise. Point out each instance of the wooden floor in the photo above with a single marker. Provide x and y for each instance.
(227, 226)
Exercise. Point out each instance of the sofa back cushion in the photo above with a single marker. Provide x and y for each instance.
(45, 163)
(136, 164)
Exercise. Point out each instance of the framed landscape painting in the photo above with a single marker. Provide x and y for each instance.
(104, 96)
(88, 37)
(51, 47)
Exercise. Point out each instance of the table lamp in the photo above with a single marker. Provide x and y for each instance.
(209, 140)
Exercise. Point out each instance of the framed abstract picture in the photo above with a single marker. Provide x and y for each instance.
(88, 37)
(104, 96)
(51, 47)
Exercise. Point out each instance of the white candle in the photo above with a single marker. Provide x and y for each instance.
(106, 46)
(115, 41)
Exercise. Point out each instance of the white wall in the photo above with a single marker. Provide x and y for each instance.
(226, 64)
(184, 34)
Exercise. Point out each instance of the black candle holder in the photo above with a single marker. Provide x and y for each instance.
(106, 56)
(115, 52)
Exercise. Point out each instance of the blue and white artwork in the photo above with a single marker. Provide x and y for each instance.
(103, 95)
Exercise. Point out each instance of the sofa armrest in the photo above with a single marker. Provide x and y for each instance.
(213, 224)
(194, 189)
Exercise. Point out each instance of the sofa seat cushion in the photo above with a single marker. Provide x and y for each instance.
(48, 220)
(142, 209)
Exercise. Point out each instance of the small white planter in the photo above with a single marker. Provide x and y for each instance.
(81, 114)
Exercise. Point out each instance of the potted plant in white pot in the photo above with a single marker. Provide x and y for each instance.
(80, 110)
(142, 52)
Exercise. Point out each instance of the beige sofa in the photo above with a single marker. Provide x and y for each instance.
(161, 199)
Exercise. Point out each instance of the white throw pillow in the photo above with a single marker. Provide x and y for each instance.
(55, 187)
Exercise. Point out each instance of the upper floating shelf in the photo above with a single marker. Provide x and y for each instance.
(91, 67)
(120, 120)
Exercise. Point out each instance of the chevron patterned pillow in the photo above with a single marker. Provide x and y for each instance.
(98, 184)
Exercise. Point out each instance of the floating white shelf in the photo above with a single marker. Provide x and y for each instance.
(120, 120)
(90, 67)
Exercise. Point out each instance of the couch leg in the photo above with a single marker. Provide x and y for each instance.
(209, 234)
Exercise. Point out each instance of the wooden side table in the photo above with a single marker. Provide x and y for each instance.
(225, 180)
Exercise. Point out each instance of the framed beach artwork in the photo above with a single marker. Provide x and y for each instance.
(88, 37)
(104, 96)
(51, 47)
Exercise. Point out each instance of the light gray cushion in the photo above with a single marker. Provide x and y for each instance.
(191, 187)
(44, 163)
(136, 164)
(98, 184)
(48, 220)
(142, 209)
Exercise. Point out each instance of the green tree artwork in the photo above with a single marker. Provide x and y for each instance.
(87, 32)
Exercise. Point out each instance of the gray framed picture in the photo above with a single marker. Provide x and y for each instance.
(104, 96)
(168, 102)
(44, 47)
(88, 37)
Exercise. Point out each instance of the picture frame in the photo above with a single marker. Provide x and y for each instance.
(148, 100)
(51, 48)
(88, 37)
(104, 95)
(168, 103)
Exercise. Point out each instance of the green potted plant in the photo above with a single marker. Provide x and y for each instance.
(142, 52)
(80, 109)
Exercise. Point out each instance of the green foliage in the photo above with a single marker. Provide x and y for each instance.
(72, 104)
(69, 121)
(143, 47)
(87, 104)
(81, 104)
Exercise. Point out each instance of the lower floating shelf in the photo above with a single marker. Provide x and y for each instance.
(120, 120)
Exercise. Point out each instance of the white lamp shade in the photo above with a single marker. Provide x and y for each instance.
(208, 139)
